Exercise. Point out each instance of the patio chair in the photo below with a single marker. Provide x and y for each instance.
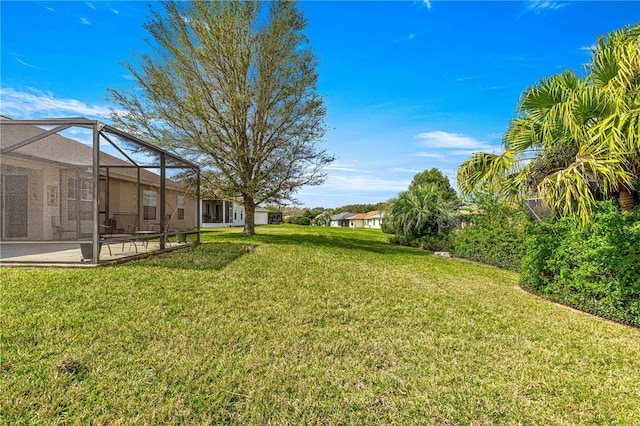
(156, 227)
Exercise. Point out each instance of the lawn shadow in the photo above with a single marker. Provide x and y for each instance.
(206, 256)
(328, 241)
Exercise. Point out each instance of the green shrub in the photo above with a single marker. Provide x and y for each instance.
(298, 220)
(387, 227)
(597, 271)
(302, 220)
(434, 243)
(496, 236)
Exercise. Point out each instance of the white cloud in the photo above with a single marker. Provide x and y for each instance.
(441, 139)
(588, 49)
(429, 155)
(85, 21)
(543, 6)
(35, 104)
(20, 61)
(427, 3)
(366, 183)
(91, 5)
(345, 166)
(115, 11)
(341, 168)
(403, 170)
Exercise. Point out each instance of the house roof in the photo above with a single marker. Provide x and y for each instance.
(55, 148)
(62, 124)
(341, 216)
(370, 215)
(360, 216)
(374, 214)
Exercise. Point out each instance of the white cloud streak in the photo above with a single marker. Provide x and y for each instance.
(35, 104)
(360, 184)
(542, 7)
(588, 49)
(85, 21)
(345, 166)
(429, 155)
(20, 61)
(341, 168)
(403, 170)
(440, 139)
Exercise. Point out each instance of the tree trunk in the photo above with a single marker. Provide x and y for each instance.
(249, 217)
(626, 199)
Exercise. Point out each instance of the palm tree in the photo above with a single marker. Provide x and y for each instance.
(421, 211)
(615, 71)
(575, 140)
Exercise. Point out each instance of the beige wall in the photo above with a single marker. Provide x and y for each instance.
(123, 198)
(40, 180)
(356, 223)
(50, 215)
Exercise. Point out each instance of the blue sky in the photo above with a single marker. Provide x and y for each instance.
(409, 85)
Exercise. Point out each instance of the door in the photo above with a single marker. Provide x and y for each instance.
(15, 206)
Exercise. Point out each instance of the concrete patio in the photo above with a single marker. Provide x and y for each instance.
(69, 253)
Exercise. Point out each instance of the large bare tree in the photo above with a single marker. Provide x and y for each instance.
(233, 85)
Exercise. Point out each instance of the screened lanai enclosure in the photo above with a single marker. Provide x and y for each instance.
(75, 190)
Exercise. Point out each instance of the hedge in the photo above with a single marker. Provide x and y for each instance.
(495, 238)
(596, 271)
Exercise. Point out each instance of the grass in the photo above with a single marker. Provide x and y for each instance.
(304, 326)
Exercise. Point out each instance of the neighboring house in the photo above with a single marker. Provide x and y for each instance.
(261, 216)
(225, 213)
(357, 220)
(275, 217)
(463, 217)
(367, 220)
(374, 219)
(341, 220)
(48, 185)
(221, 213)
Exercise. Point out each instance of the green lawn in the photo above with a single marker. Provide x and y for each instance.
(313, 325)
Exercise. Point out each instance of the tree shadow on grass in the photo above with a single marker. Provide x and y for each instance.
(217, 255)
(202, 257)
(328, 241)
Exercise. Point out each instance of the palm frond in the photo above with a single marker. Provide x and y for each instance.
(484, 170)
(571, 191)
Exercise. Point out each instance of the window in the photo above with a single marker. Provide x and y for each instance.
(181, 207)
(71, 189)
(86, 190)
(149, 203)
(82, 208)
